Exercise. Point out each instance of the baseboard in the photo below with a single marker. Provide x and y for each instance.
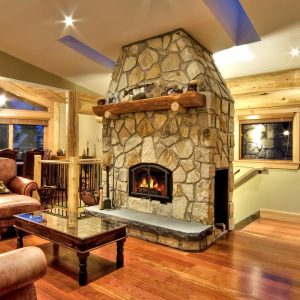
(247, 220)
(280, 215)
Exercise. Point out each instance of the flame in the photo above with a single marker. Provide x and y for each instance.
(153, 184)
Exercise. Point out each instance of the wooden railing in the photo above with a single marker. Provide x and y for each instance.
(71, 177)
(242, 176)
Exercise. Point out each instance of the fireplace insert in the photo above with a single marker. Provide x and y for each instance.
(150, 181)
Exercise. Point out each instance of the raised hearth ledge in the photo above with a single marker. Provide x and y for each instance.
(176, 102)
(159, 229)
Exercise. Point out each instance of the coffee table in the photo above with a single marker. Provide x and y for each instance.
(79, 233)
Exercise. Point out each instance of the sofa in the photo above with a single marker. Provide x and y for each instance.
(19, 269)
(18, 199)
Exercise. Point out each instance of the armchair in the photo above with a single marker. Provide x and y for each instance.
(19, 200)
(8, 153)
(19, 269)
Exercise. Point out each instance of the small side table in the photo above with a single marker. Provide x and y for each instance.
(46, 193)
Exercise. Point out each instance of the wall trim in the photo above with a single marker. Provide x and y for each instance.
(280, 215)
(247, 220)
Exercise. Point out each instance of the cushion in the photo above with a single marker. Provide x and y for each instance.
(13, 204)
(3, 188)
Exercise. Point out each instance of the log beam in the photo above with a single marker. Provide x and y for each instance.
(72, 126)
(109, 115)
(176, 107)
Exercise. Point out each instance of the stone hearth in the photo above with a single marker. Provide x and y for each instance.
(192, 144)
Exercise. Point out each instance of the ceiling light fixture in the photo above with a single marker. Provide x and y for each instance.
(69, 21)
(295, 52)
(2, 101)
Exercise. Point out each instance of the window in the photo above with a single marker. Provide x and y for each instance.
(26, 137)
(3, 136)
(13, 102)
(269, 140)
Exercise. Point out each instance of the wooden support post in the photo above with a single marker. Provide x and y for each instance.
(176, 107)
(72, 126)
(56, 121)
(73, 185)
(110, 115)
(37, 174)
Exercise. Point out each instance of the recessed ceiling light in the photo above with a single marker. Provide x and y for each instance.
(295, 52)
(69, 21)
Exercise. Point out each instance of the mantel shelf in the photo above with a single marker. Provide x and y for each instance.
(178, 102)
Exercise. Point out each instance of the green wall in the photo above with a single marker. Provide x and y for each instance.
(274, 189)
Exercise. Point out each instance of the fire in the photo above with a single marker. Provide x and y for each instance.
(153, 184)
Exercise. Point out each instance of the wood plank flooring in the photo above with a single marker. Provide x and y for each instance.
(260, 261)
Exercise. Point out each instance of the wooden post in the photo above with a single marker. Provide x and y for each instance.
(37, 174)
(73, 185)
(72, 126)
(56, 120)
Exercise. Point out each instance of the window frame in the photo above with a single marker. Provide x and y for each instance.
(267, 118)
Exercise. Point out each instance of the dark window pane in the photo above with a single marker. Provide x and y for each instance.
(267, 141)
(3, 136)
(28, 137)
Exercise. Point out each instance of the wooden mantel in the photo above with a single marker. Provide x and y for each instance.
(178, 102)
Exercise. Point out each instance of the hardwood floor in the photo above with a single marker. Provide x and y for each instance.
(260, 261)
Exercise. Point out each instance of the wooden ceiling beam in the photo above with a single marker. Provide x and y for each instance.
(264, 82)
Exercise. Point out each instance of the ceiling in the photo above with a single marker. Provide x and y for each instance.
(30, 31)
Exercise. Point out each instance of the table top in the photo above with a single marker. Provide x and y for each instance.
(79, 226)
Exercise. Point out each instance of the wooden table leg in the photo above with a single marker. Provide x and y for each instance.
(82, 267)
(55, 249)
(120, 254)
(20, 235)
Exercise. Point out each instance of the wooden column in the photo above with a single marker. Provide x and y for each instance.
(73, 185)
(56, 122)
(72, 126)
(37, 174)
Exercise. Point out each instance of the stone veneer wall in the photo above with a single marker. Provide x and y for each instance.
(191, 144)
(172, 58)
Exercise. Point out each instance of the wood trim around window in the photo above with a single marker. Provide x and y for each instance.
(268, 118)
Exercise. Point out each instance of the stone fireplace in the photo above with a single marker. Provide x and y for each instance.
(165, 161)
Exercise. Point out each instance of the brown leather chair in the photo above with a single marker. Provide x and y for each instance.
(8, 153)
(19, 269)
(19, 200)
(28, 166)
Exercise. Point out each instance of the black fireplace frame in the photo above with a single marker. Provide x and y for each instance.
(168, 182)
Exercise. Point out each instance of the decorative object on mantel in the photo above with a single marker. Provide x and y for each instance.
(171, 90)
(140, 91)
(192, 87)
(186, 100)
(112, 98)
(101, 101)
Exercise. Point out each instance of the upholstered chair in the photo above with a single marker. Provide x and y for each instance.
(28, 166)
(19, 269)
(8, 153)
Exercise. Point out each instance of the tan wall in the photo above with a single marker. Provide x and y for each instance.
(90, 131)
(275, 189)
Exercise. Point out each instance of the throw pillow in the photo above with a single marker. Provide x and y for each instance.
(3, 188)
